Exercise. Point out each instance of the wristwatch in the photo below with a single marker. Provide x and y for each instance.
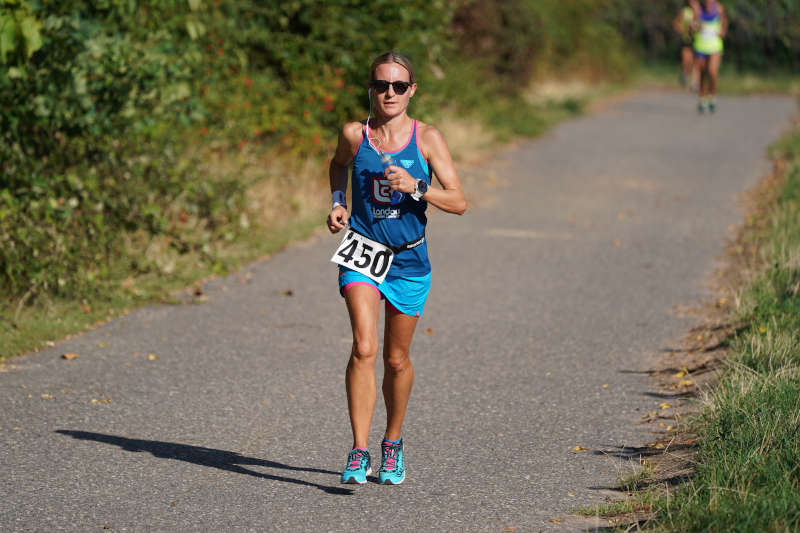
(420, 188)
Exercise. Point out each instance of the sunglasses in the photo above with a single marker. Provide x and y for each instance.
(381, 86)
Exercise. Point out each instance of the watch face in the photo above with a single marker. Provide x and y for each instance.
(422, 186)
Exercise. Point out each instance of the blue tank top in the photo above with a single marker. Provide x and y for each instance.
(373, 214)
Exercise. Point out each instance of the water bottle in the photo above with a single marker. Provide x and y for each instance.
(388, 161)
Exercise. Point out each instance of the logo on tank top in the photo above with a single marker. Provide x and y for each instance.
(407, 163)
(382, 195)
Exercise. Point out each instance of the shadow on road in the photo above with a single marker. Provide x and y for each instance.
(224, 460)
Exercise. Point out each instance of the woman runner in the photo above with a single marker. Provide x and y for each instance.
(712, 24)
(388, 214)
(683, 26)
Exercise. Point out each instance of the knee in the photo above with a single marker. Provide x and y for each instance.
(397, 363)
(365, 350)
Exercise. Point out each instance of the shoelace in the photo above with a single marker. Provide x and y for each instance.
(391, 456)
(355, 460)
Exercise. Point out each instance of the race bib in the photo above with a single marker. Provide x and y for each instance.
(364, 255)
(709, 31)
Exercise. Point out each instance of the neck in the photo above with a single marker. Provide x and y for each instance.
(390, 125)
(386, 132)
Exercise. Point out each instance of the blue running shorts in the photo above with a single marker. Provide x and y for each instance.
(406, 294)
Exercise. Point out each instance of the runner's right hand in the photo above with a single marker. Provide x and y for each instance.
(337, 219)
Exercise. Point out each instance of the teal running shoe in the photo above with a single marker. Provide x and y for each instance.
(358, 467)
(712, 106)
(393, 468)
(701, 107)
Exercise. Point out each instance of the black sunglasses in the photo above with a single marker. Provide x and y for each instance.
(381, 86)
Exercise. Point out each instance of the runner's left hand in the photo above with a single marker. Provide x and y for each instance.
(400, 179)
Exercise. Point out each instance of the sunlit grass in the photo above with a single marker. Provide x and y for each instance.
(748, 460)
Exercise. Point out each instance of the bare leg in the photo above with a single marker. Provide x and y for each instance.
(700, 65)
(714, 63)
(363, 303)
(398, 377)
(687, 62)
(697, 72)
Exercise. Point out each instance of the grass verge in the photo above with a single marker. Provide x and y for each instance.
(731, 81)
(747, 430)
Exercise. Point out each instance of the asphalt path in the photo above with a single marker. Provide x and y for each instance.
(231, 415)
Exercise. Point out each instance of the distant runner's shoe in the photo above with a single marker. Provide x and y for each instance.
(358, 467)
(712, 107)
(701, 107)
(393, 468)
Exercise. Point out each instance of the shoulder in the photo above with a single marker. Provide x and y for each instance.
(352, 132)
(429, 138)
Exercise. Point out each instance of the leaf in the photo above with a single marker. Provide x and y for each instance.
(69, 356)
(152, 356)
(8, 33)
(664, 405)
(658, 446)
(47, 396)
(685, 383)
(580, 449)
(30, 31)
(429, 331)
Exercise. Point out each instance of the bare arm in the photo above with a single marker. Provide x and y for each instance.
(677, 24)
(724, 18)
(431, 143)
(337, 171)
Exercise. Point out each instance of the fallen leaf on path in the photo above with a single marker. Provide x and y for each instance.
(665, 405)
(47, 396)
(152, 356)
(101, 344)
(580, 449)
(685, 383)
(572, 494)
(69, 356)
(553, 520)
(287, 292)
(659, 446)
(429, 331)
(670, 428)
(605, 385)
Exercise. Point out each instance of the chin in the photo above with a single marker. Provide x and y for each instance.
(392, 111)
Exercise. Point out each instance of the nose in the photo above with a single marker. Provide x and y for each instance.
(390, 91)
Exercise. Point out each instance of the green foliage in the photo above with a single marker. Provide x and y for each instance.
(102, 105)
(763, 34)
(516, 40)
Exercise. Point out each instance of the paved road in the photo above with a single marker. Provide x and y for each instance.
(558, 287)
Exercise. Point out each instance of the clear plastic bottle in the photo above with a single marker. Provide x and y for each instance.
(388, 161)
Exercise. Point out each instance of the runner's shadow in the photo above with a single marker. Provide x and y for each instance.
(224, 460)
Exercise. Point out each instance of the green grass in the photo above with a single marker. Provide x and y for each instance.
(748, 460)
(731, 81)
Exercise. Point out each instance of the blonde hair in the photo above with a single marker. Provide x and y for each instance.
(391, 57)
